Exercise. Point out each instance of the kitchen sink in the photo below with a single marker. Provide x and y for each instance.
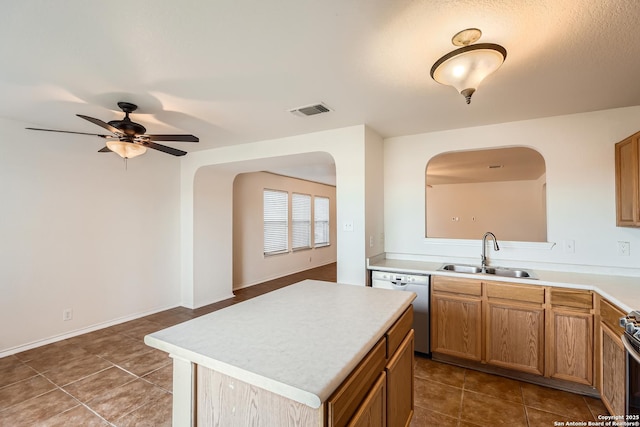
(494, 271)
(508, 272)
(461, 268)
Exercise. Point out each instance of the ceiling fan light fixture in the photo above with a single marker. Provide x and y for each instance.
(126, 150)
(465, 68)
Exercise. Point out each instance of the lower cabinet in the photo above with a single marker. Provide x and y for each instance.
(571, 335)
(515, 337)
(514, 326)
(373, 410)
(539, 330)
(379, 392)
(456, 318)
(399, 372)
(612, 360)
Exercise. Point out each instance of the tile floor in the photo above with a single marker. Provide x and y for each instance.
(448, 395)
(111, 378)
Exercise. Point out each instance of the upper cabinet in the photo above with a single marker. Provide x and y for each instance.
(627, 182)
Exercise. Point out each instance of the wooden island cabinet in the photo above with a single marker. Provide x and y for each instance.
(311, 354)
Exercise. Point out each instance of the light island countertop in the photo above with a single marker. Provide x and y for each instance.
(300, 341)
(622, 291)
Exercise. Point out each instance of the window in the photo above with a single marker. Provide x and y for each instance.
(276, 222)
(301, 221)
(321, 221)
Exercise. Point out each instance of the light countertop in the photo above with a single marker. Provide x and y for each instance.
(622, 291)
(300, 341)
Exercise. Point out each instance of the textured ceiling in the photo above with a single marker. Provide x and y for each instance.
(228, 71)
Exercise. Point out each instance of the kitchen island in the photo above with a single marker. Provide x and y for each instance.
(307, 354)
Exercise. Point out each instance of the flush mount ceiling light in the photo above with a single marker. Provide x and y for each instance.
(467, 67)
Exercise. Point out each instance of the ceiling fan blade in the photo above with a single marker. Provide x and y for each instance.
(102, 124)
(164, 149)
(68, 131)
(104, 150)
(180, 138)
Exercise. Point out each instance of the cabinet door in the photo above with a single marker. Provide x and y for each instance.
(399, 371)
(571, 343)
(372, 411)
(613, 365)
(515, 337)
(456, 326)
(627, 188)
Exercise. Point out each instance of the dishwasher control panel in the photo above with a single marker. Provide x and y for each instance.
(399, 277)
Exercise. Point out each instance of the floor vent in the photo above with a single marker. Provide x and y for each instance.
(310, 110)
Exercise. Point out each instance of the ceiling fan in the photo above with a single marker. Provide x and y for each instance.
(129, 138)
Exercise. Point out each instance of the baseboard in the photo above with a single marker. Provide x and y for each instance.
(257, 282)
(66, 335)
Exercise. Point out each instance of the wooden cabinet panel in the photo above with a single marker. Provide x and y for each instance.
(346, 400)
(613, 368)
(627, 182)
(373, 411)
(524, 293)
(610, 316)
(400, 384)
(397, 333)
(515, 337)
(571, 340)
(456, 285)
(456, 326)
(577, 299)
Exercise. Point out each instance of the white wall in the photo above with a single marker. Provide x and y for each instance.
(250, 266)
(212, 218)
(346, 146)
(374, 193)
(579, 154)
(79, 231)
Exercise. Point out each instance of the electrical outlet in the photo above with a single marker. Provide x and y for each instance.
(624, 248)
(370, 241)
(347, 226)
(67, 314)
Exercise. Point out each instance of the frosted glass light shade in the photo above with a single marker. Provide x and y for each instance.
(126, 150)
(467, 67)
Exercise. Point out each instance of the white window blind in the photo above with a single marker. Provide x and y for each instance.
(301, 221)
(321, 221)
(276, 221)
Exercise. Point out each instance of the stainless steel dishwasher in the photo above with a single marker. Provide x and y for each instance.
(414, 283)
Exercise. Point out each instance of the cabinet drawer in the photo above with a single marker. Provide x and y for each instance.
(515, 292)
(610, 315)
(343, 404)
(398, 331)
(456, 285)
(571, 298)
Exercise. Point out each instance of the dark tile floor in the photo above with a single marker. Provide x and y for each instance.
(111, 378)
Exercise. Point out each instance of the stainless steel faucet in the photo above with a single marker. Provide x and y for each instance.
(483, 258)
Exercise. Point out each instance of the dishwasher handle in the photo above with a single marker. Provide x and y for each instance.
(398, 285)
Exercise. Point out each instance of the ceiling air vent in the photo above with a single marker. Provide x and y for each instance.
(310, 110)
